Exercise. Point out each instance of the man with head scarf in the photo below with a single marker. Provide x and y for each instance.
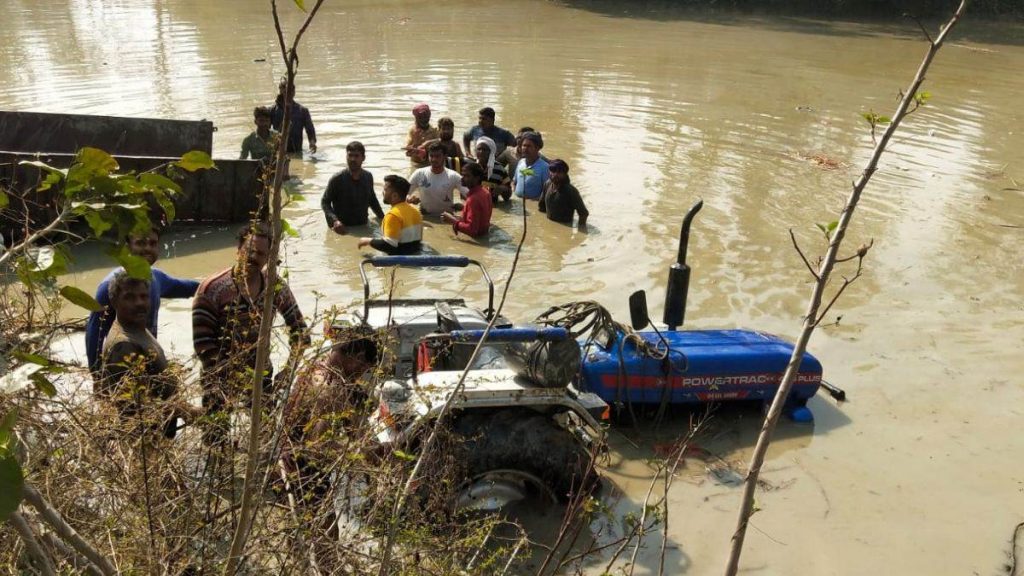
(420, 132)
(561, 199)
(496, 179)
(531, 173)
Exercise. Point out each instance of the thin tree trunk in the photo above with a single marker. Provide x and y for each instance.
(811, 319)
(32, 544)
(66, 532)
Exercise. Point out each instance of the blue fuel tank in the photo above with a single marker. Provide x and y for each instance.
(702, 366)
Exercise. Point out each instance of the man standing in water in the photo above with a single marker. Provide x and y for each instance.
(300, 120)
(435, 184)
(496, 179)
(402, 228)
(226, 315)
(531, 173)
(350, 193)
(133, 364)
(161, 285)
(561, 199)
(262, 143)
(420, 132)
(476, 214)
(485, 127)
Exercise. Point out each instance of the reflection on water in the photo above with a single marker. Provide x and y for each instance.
(653, 110)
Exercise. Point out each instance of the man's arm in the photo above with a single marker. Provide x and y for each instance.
(581, 208)
(466, 137)
(205, 331)
(542, 202)
(245, 149)
(289, 310)
(97, 327)
(171, 287)
(327, 202)
(307, 121)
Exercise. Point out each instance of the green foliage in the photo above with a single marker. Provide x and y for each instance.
(828, 229)
(12, 485)
(135, 266)
(195, 160)
(287, 229)
(12, 481)
(4, 200)
(79, 298)
(301, 4)
(875, 119)
(43, 383)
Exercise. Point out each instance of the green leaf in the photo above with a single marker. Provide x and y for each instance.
(869, 116)
(32, 358)
(822, 227)
(96, 161)
(51, 180)
(6, 427)
(79, 298)
(883, 120)
(98, 223)
(4, 201)
(195, 160)
(287, 228)
(159, 182)
(136, 266)
(12, 486)
(832, 225)
(301, 4)
(404, 455)
(43, 384)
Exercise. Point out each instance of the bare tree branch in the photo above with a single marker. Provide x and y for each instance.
(811, 317)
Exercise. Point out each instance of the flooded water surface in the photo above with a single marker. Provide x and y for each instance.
(920, 472)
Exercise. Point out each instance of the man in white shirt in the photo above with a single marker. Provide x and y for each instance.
(433, 185)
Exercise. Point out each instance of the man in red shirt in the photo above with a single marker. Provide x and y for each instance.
(476, 213)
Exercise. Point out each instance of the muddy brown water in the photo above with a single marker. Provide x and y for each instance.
(920, 472)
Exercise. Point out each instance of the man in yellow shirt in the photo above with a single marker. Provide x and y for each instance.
(402, 228)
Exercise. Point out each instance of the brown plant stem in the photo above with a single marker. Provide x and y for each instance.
(40, 556)
(811, 318)
(66, 532)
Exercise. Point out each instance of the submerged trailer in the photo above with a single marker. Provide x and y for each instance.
(231, 193)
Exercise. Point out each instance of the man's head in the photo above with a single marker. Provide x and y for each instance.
(435, 154)
(145, 245)
(519, 139)
(531, 146)
(261, 115)
(472, 174)
(352, 355)
(446, 126)
(396, 189)
(485, 118)
(129, 297)
(559, 171)
(422, 114)
(483, 152)
(254, 244)
(281, 86)
(355, 154)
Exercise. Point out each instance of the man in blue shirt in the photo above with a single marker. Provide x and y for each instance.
(531, 174)
(161, 285)
(300, 120)
(485, 127)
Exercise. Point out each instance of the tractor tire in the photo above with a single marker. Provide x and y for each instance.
(529, 442)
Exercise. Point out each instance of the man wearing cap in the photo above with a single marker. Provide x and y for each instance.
(485, 127)
(561, 199)
(476, 214)
(531, 173)
(420, 132)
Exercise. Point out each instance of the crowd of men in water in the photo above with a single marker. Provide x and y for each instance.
(126, 359)
(456, 187)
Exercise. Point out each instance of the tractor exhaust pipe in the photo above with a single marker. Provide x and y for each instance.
(679, 276)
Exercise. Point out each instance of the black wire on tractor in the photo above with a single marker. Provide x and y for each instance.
(595, 321)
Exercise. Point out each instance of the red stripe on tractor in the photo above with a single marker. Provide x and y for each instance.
(681, 381)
